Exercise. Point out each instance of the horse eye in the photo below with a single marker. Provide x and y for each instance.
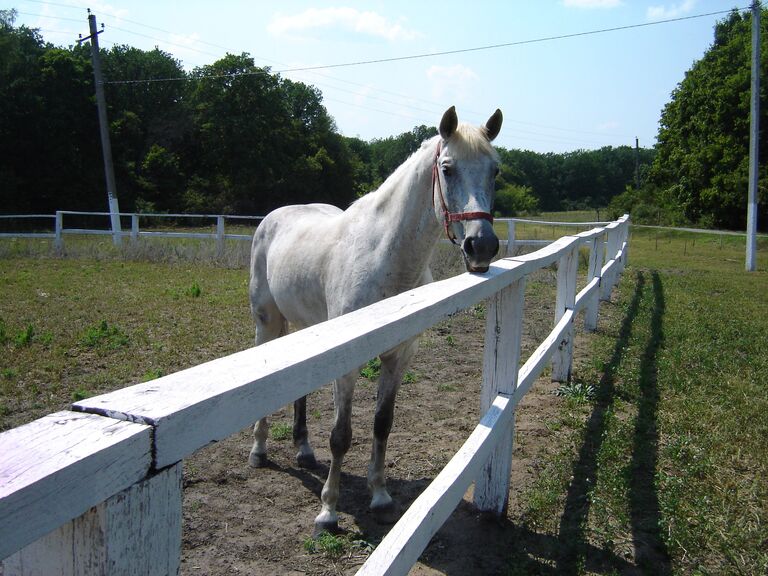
(447, 169)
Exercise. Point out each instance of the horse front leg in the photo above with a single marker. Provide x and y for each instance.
(393, 366)
(341, 439)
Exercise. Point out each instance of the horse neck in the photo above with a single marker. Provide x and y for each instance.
(405, 207)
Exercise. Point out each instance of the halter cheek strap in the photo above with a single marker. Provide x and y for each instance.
(448, 216)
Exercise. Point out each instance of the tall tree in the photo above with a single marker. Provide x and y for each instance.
(703, 142)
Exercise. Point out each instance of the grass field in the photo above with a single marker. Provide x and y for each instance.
(667, 462)
(665, 466)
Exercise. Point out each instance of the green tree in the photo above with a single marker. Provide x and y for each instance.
(702, 164)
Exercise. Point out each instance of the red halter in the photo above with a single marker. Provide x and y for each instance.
(448, 216)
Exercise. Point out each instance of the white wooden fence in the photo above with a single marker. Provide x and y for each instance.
(97, 490)
(220, 235)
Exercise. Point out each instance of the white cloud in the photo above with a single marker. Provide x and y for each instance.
(592, 3)
(349, 19)
(608, 126)
(451, 82)
(663, 12)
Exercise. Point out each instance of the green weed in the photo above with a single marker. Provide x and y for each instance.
(152, 374)
(280, 431)
(577, 392)
(371, 370)
(335, 546)
(104, 336)
(25, 336)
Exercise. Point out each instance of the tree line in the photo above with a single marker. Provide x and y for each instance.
(234, 138)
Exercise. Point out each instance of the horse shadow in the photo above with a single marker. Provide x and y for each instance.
(474, 543)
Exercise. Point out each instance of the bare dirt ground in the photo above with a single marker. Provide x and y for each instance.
(238, 520)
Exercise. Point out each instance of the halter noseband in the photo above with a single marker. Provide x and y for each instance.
(448, 216)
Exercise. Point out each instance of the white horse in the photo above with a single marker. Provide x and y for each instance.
(314, 262)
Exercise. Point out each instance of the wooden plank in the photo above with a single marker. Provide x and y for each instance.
(407, 539)
(585, 294)
(55, 468)
(567, 269)
(209, 402)
(503, 337)
(137, 531)
(595, 266)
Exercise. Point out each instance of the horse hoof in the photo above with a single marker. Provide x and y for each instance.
(258, 460)
(387, 514)
(306, 460)
(321, 527)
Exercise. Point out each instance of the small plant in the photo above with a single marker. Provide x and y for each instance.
(450, 340)
(578, 392)
(151, 374)
(24, 338)
(194, 291)
(8, 373)
(334, 546)
(79, 394)
(409, 378)
(104, 336)
(372, 369)
(446, 388)
(280, 431)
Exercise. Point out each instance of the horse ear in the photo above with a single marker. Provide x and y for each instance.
(493, 126)
(449, 123)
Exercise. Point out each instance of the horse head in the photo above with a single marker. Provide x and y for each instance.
(463, 176)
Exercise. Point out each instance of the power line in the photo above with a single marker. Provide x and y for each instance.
(442, 53)
(505, 44)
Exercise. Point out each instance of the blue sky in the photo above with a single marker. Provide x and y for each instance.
(556, 95)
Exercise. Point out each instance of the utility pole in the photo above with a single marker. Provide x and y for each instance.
(637, 163)
(754, 144)
(106, 148)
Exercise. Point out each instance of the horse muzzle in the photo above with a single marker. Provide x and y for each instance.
(478, 251)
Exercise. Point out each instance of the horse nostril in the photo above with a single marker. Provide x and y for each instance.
(481, 247)
(468, 246)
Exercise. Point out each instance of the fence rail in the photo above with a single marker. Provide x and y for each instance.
(219, 236)
(98, 488)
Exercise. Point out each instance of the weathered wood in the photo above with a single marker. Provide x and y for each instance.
(610, 271)
(408, 538)
(593, 273)
(510, 238)
(566, 298)
(503, 337)
(57, 467)
(137, 531)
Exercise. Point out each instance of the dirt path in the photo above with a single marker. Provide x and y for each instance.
(243, 521)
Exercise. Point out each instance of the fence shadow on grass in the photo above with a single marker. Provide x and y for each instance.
(651, 555)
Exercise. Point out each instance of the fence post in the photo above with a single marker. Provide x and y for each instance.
(219, 235)
(503, 335)
(510, 238)
(59, 240)
(134, 228)
(566, 299)
(137, 531)
(595, 269)
(612, 246)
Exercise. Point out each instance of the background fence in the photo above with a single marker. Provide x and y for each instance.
(97, 489)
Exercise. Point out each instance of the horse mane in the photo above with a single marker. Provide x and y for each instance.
(468, 140)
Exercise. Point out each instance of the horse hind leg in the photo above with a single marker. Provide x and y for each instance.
(393, 366)
(270, 324)
(305, 456)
